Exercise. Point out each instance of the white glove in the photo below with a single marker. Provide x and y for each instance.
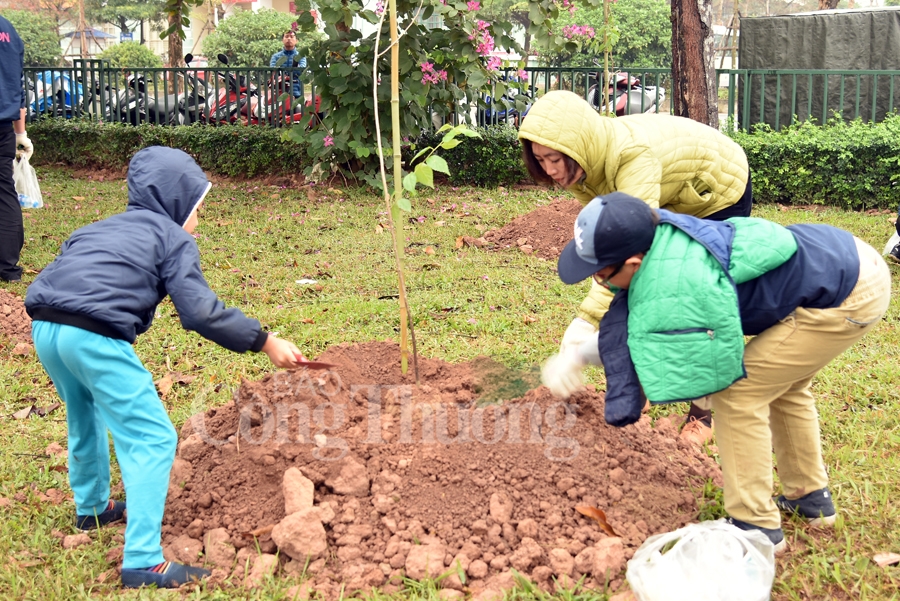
(578, 332)
(581, 338)
(562, 373)
(27, 147)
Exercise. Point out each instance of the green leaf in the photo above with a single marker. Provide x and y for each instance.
(476, 79)
(448, 144)
(403, 204)
(425, 175)
(420, 153)
(438, 164)
(409, 182)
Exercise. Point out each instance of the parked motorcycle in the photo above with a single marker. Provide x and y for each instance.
(626, 96)
(232, 99)
(52, 93)
(281, 108)
(508, 108)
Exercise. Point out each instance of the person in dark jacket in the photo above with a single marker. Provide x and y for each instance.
(289, 57)
(89, 305)
(687, 293)
(12, 136)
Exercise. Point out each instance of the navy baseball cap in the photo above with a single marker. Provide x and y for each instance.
(608, 230)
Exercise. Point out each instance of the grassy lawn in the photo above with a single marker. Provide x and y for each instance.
(256, 242)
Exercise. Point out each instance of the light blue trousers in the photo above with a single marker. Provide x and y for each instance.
(105, 385)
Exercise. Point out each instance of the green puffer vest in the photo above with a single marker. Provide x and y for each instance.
(684, 325)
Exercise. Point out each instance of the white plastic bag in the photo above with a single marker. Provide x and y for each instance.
(709, 561)
(27, 184)
(891, 244)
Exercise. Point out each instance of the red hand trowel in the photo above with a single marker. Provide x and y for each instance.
(302, 362)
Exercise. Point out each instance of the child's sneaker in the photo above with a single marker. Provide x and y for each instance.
(776, 535)
(114, 512)
(168, 574)
(816, 507)
(894, 255)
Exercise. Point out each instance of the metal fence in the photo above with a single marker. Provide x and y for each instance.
(262, 96)
(167, 96)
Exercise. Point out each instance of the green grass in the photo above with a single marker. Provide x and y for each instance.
(257, 241)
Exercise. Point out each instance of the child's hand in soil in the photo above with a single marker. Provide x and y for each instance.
(282, 353)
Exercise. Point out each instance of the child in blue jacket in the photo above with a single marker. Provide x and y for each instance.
(687, 292)
(88, 306)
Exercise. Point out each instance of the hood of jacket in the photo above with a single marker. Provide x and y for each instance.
(566, 122)
(166, 181)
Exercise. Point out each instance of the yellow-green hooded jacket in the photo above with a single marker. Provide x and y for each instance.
(671, 162)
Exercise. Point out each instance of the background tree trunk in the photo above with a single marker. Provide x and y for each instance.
(828, 4)
(694, 85)
(176, 44)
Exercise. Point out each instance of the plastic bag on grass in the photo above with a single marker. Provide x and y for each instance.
(891, 244)
(709, 561)
(27, 184)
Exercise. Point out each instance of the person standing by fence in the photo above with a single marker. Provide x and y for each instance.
(12, 136)
(289, 57)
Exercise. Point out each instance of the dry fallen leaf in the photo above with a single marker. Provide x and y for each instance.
(164, 384)
(258, 532)
(307, 320)
(78, 198)
(44, 411)
(886, 559)
(23, 413)
(530, 319)
(598, 515)
(429, 250)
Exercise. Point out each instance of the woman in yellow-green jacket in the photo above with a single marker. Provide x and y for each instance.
(671, 162)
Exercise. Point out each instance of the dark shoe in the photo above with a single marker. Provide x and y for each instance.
(816, 507)
(115, 511)
(166, 575)
(13, 279)
(894, 255)
(776, 535)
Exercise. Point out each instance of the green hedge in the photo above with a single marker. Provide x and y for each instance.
(232, 150)
(493, 160)
(853, 165)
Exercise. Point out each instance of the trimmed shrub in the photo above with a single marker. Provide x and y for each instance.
(852, 165)
(231, 150)
(493, 160)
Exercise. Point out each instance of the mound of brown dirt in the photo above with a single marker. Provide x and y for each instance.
(368, 476)
(14, 321)
(544, 231)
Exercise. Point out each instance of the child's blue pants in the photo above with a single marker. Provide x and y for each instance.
(105, 385)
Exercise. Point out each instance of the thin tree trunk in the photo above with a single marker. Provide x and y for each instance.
(176, 44)
(694, 86)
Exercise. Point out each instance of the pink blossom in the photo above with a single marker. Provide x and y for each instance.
(523, 74)
(484, 42)
(493, 63)
(473, 5)
(379, 8)
(431, 75)
(571, 31)
(328, 141)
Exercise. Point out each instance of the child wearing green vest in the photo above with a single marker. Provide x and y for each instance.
(687, 293)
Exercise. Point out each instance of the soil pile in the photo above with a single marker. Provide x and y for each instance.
(370, 476)
(15, 324)
(544, 231)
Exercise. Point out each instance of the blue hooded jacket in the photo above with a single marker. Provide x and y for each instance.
(111, 275)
